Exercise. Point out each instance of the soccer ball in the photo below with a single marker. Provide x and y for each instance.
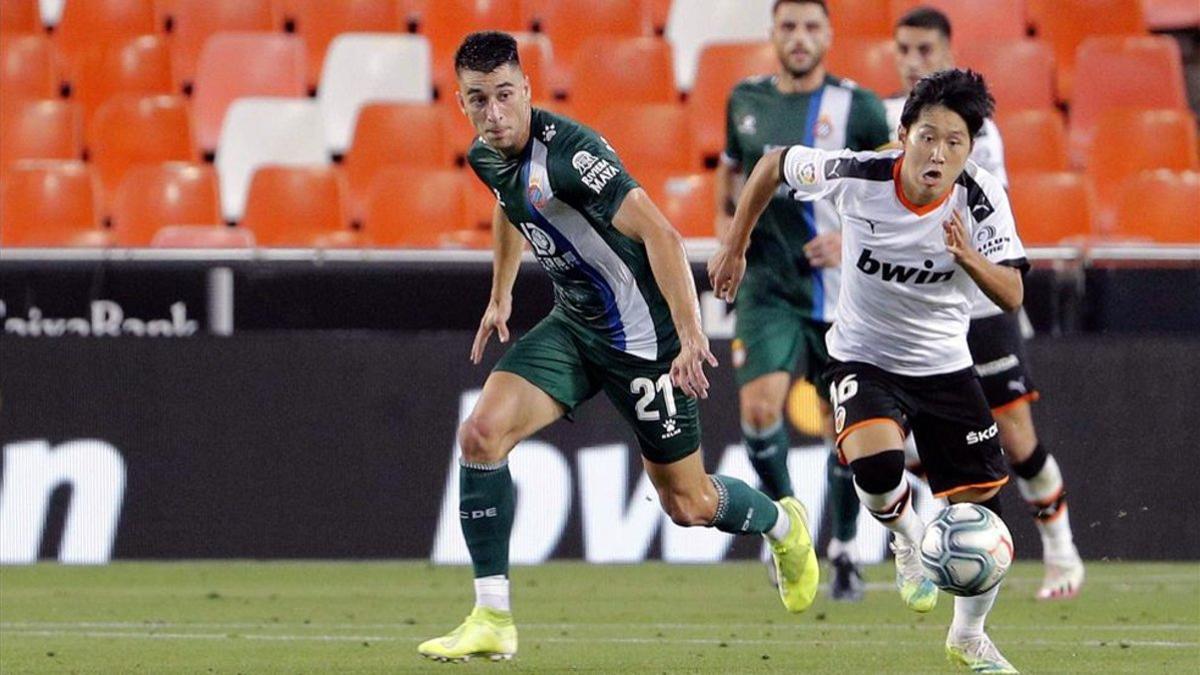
(966, 550)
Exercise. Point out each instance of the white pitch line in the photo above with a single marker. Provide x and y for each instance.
(692, 641)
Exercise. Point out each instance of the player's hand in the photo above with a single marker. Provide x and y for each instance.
(687, 370)
(958, 241)
(725, 271)
(495, 319)
(824, 250)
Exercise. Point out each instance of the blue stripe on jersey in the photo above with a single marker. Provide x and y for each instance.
(612, 313)
(809, 208)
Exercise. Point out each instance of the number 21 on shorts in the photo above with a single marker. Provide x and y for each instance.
(839, 392)
(645, 387)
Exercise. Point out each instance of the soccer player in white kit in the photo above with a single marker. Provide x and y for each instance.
(922, 39)
(922, 229)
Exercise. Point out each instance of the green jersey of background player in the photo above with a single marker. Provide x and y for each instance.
(790, 290)
(625, 322)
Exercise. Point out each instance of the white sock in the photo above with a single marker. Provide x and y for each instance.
(782, 525)
(970, 613)
(907, 524)
(838, 548)
(1043, 489)
(492, 592)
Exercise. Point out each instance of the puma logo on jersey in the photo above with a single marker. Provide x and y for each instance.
(901, 274)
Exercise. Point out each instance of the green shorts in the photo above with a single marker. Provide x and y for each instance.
(770, 338)
(572, 365)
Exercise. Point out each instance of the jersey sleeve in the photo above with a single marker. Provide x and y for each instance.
(868, 122)
(811, 173)
(995, 234)
(588, 175)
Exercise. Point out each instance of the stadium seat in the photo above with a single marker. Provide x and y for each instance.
(20, 16)
(650, 137)
(446, 22)
(570, 23)
(1167, 15)
(656, 12)
(688, 201)
(50, 203)
(973, 20)
(1142, 72)
(236, 65)
(96, 24)
(202, 236)
(195, 21)
(1051, 207)
(299, 206)
(478, 201)
(138, 66)
(546, 73)
(1019, 73)
(363, 67)
(317, 22)
(28, 67)
(131, 129)
(394, 133)
(609, 70)
(45, 129)
(412, 207)
(153, 196)
(259, 131)
(1034, 140)
(1129, 141)
(1065, 24)
(860, 18)
(721, 67)
(51, 11)
(870, 62)
(692, 24)
(1160, 206)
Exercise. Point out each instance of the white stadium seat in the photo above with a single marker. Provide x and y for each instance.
(260, 131)
(51, 11)
(692, 24)
(362, 67)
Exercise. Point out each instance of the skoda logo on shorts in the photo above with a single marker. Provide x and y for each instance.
(542, 244)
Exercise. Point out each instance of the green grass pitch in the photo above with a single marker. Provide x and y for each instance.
(256, 617)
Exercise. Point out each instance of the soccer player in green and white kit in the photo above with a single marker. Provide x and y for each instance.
(790, 292)
(625, 322)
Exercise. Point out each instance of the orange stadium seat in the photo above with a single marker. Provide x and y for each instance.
(972, 20)
(318, 21)
(195, 21)
(1034, 140)
(570, 23)
(20, 16)
(868, 61)
(860, 18)
(721, 67)
(1065, 24)
(1142, 72)
(447, 22)
(299, 206)
(1160, 206)
(394, 133)
(688, 201)
(479, 203)
(131, 129)
(202, 236)
(50, 203)
(1172, 14)
(40, 129)
(28, 67)
(649, 137)
(537, 62)
(610, 70)
(656, 12)
(1019, 73)
(93, 25)
(153, 196)
(237, 65)
(413, 207)
(1051, 207)
(138, 66)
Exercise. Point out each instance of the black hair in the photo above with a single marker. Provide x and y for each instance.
(927, 18)
(962, 91)
(819, 3)
(486, 51)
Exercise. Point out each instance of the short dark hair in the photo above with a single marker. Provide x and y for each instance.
(962, 91)
(927, 18)
(486, 51)
(819, 3)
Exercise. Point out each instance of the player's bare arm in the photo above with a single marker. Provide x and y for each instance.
(506, 244)
(640, 219)
(728, 265)
(1001, 284)
(824, 250)
(725, 189)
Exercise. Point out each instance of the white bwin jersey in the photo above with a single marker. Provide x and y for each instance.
(987, 153)
(904, 304)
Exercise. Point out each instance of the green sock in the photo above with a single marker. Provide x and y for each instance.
(485, 510)
(842, 499)
(768, 450)
(741, 509)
